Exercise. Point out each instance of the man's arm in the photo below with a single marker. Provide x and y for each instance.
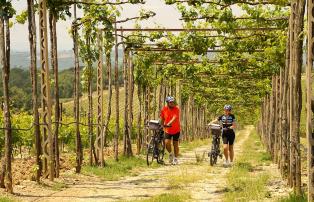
(172, 120)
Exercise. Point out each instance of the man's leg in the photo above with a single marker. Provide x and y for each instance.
(176, 148)
(168, 145)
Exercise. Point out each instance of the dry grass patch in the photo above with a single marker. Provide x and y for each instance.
(185, 176)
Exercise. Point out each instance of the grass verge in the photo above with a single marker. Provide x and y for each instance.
(294, 198)
(115, 170)
(183, 178)
(244, 184)
(178, 196)
(6, 199)
(134, 165)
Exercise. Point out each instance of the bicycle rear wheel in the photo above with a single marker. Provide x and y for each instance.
(150, 152)
(213, 159)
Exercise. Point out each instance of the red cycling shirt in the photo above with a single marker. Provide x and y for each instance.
(167, 114)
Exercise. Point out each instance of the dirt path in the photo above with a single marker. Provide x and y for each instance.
(203, 182)
(214, 186)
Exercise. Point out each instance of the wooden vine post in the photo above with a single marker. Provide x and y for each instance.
(53, 15)
(48, 150)
(309, 66)
(79, 151)
(127, 146)
(99, 143)
(296, 40)
(6, 179)
(116, 75)
(33, 71)
(131, 96)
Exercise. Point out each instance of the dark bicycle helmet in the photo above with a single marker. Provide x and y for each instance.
(228, 107)
(170, 99)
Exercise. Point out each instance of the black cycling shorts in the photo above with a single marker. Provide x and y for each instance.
(175, 137)
(228, 137)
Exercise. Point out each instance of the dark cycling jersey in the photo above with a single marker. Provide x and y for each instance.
(227, 120)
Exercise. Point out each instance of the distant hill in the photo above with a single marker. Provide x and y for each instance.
(66, 59)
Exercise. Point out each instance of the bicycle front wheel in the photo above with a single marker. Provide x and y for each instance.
(150, 152)
(161, 152)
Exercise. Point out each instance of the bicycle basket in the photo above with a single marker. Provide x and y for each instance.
(154, 125)
(215, 129)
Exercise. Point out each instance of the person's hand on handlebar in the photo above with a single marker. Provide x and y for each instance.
(167, 125)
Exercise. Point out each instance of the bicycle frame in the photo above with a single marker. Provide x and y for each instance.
(215, 148)
(156, 145)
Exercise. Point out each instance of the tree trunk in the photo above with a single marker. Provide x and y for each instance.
(79, 151)
(5, 62)
(309, 113)
(2, 172)
(298, 9)
(117, 127)
(48, 149)
(275, 134)
(54, 64)
(100, 127)
(284, 114)
(139, 121)
(273, 118)
(90, 97)
(146, 116)
(90, 117)
(126, 140)
(161, 97)
(107, 121)
(33, 72)
(130, 94)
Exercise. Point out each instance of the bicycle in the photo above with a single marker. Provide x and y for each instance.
(156, 145)
(216, 131)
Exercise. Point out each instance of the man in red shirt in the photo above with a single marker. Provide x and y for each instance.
(170, 119)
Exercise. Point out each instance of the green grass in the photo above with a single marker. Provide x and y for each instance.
(179, 196)
(58, 186)
(294, 198)
(183, 177)
(116, 170)
(132, 166)
(188, 146)
(6, 199)
(243, 183)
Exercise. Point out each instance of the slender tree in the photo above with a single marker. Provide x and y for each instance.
(33, 71)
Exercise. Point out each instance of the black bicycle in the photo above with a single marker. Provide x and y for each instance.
(216, 132)
(156, 145)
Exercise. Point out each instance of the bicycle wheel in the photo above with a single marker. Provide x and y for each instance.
(161, 152)
(213, 153)
(213, 158)
(150, 152)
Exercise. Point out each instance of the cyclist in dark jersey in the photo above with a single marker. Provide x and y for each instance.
(228, 135)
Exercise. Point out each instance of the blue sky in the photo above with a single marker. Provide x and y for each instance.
(167, 16)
